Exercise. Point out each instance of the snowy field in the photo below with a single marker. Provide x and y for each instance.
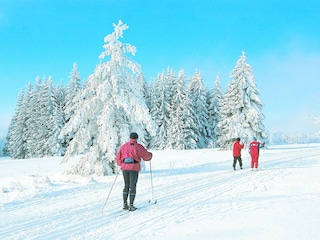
(198, 196)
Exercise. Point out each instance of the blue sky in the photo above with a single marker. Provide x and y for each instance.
(281, 40)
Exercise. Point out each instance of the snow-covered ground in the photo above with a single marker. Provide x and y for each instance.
(198, 196)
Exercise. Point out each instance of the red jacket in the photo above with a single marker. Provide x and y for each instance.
(237, 148)
(134, 150)
(254, 147)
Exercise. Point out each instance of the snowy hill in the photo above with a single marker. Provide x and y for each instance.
(198, 196)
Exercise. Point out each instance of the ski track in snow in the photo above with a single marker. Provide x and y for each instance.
(191, 187)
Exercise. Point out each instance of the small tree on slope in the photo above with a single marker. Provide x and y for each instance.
(242, 109)
(112, 106)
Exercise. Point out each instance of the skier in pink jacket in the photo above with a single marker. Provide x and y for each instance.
(129, 158)
(254, 152)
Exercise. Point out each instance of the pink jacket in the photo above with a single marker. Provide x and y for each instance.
(132, 149)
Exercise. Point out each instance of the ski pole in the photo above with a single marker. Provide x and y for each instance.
(152, 199)
(110, 190)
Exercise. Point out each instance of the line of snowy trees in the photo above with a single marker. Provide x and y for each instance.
(35, 127)
(171, 112)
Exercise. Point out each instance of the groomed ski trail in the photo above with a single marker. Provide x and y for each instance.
(189, 188)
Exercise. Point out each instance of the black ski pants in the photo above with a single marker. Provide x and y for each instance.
(130, 185)
(235, 159)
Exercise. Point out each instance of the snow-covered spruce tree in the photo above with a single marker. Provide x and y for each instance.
(199, 102)
(5, 149)
(242, 109)
(170, 78)
(33, 130)
(149, 99)
(72, 91)
(36, 129)
(211, 118)
(23, 126)
(46, 119)
(179, 131)
(161, 108)
(71, 103)
(112, 106)
(145, 95)
(57, 146)
(32, 125)
(214, 103)
(16, 144)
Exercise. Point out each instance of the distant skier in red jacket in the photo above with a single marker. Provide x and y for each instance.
(129, 158)
(237, 146)
(254, 152)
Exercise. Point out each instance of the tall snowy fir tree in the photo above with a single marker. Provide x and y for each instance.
(161, 108)
(47, 119)
(170, 79)
(150, 98)
(242, 109)
(16, 136)
(214, 102)
(73, 89)
(146, 96)
(31, 113)
(58, 147)
(38, 121)
(112, 106)
(198, 98)
(72, 102)
(180, 115)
